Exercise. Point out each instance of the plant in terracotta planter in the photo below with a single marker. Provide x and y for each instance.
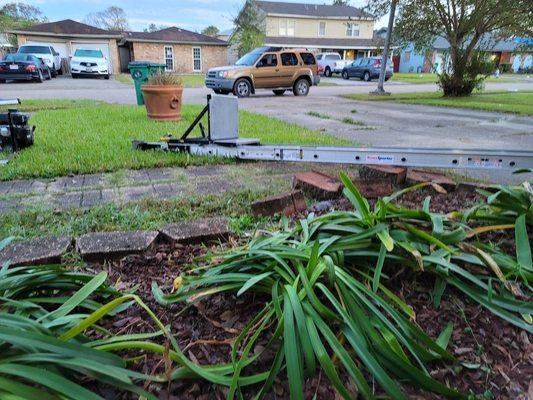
(162, 96)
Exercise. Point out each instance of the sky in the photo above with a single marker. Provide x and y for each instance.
(188, 14)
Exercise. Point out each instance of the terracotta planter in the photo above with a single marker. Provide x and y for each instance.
(163, 103)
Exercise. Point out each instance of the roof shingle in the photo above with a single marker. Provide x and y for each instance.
(68, 27)
(311, 10)
(173, 35)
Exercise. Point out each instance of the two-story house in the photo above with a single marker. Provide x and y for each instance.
(318, 27)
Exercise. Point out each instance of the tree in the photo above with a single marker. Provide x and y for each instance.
(112, 18)
(211, 30)
(466, 25)
(153, 27)
(19, 15)
(341, 2)
(248, 33)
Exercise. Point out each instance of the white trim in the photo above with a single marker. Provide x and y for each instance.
(320, 46)
(325, 28)
(193, 59)
(165, 57)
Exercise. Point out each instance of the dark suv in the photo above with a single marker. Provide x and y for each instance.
(366, 69)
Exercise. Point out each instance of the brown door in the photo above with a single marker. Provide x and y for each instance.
(290, 64)
(266, 71)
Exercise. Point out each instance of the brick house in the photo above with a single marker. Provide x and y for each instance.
(181, 50)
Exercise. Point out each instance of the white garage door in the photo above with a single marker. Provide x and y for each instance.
(104, 47)
(61, 48)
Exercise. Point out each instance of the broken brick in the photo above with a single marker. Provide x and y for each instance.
(374, 189)
(38, 251)
(317, 185)
(286, 204)
(102, 246)
(395, 174)
(415, 176)
(197, 231)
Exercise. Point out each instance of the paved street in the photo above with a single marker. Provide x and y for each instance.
(376, 124)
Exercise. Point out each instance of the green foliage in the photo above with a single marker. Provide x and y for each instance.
(19, 15)
(211, 30)
(328, 306)
(248, 32)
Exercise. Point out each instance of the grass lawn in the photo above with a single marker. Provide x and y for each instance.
(432, 78)
(189, 80)
(510, 102)
(88, 137)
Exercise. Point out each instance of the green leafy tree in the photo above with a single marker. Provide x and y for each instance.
(19, 15)
(112, 18)
(341, 2)
(248, 32)
(211, 30)
(466, 25)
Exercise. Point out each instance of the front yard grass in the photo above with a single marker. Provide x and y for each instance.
(189, 80)
(432, 78)
(79, 137)
(509, 102)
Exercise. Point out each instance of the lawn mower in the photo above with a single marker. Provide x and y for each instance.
(15, 132)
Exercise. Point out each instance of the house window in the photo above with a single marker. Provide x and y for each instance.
(169, 58)
(322, 28)
(286, 27)
(352, 30)
(197, 59)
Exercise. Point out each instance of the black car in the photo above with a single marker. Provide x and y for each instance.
(366, 69)
(25, 67)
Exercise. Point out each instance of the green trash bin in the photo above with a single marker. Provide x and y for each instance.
(140, 72)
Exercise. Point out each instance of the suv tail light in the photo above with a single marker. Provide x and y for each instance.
(31, 68)
(377, 63)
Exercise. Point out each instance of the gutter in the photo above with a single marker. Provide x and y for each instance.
(127, 39)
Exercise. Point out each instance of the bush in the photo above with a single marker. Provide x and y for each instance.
(465, 74)
(504, 68)
(164, 79)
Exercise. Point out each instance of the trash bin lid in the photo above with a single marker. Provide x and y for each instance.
(144, 64)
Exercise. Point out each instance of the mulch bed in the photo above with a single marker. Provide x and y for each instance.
(499, 356)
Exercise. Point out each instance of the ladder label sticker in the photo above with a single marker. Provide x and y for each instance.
(479, 162)
(380, 159)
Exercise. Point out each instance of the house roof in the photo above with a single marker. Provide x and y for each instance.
(487, 43)
(173, 35)
(349, 43)
(312, 10)
(66, 27)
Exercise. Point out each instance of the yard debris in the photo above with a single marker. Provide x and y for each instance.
(395, 174)
(38, 251)
(286, 204)
(318, 185)
(415, 176)
(102, 246)
(197, 231)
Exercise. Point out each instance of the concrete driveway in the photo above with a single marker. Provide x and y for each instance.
(373, 124)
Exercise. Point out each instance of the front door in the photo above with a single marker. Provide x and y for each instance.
(266, 71)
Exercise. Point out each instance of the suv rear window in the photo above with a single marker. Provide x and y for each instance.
(35, 50)
(308, 58)
(289, 59)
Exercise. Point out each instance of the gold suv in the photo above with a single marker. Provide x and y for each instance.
(266, 68)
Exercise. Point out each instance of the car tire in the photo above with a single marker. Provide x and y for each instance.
(386, 79)
(366, 76)
(345, 75)
(301, 87)
(54, 71)
(40, 78)
(74, 76)
(2, 81)
(279, 92)
(60, 72)
(106, 77)
(327, 72)
(242, 88)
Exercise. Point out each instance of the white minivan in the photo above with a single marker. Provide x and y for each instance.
(89, 62)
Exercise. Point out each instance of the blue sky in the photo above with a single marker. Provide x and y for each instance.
(188, 14)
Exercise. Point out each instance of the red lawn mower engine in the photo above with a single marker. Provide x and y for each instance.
(15, 133)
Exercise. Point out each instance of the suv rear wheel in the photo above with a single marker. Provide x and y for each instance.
(279, 92)
(345, 75)
(366, 76)
(242, 88)
(301, 87)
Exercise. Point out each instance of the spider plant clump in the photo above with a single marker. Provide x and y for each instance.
(161, 78)
(329, 308)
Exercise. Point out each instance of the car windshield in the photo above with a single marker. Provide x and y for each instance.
(88, 53)
(35, 50)
(249, 59)
(18, 57)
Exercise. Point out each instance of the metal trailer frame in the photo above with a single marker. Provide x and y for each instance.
(250, 149)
